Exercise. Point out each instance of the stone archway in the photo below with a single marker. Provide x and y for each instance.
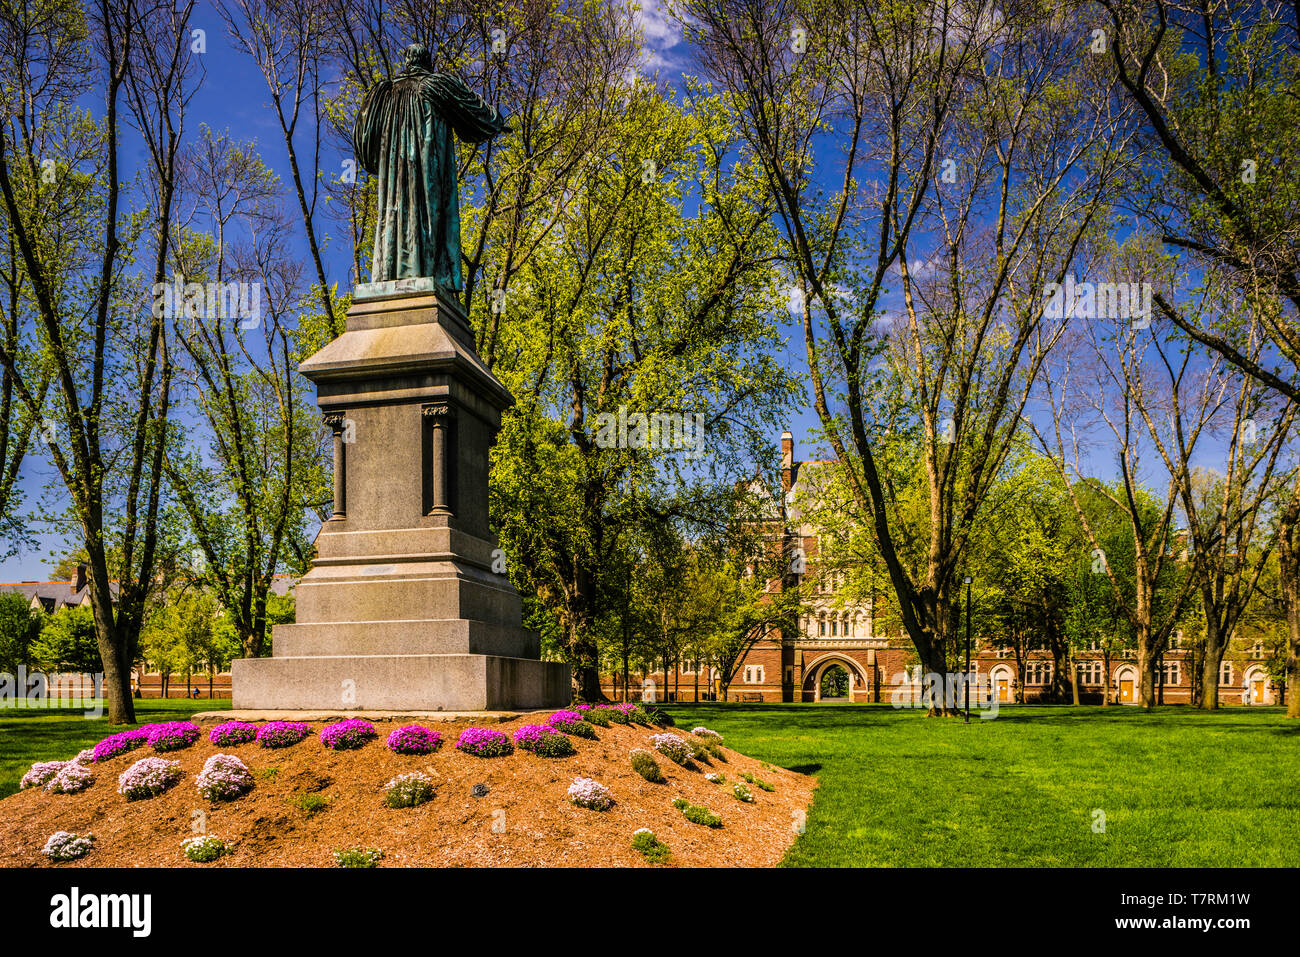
(833, 683)
(851, 680)
(1127, 687)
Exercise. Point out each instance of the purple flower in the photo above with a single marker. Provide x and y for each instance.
(120, 743)
(233, 732)
(281, 734)
(347, 734)
(148, 777)
(172, 735)
(414, 739)
(224, 777)
(484, 742)
(543, 740)
(40, 773)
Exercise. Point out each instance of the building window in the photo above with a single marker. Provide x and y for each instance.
(1004, 652)
(1090, 672)
(1038, 672)
(1094, 645)
(834, 623)
(1257, 650)
(1171, 673)
(1225, 673)
(1176, 640)
(753, 674)
(690, 667)
(821, 627)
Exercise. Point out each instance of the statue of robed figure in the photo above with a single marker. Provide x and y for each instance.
(403, 136)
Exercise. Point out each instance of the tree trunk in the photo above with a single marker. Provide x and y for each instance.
(1290, 575)
(1105, 679)
(1212, 665)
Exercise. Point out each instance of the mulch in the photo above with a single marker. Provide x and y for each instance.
(524, 820)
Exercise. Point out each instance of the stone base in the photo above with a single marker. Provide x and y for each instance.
(338, 714)
(398, 682)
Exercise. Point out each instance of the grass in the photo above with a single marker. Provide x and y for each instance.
(29, 735)
(1177, 788)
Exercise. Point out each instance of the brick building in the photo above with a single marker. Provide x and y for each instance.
(839, 653)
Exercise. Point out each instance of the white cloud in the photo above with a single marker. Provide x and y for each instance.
(659, 34)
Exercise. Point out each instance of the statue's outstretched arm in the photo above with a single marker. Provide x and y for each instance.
(470, 117)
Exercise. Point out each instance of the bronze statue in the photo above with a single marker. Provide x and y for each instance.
(403, 135)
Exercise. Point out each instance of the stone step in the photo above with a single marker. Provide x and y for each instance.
(421, 636)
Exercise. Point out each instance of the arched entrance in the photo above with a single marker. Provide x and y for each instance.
(1126, 684)
(832, 678)
(1003, 681)
(1256, 686)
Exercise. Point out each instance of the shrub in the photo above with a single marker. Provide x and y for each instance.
(120, 743)
(588, 793)
(224, 777)
(757, 782)
(484, 743)
(232, 733)
(673, 748)
(356, 857)
(645, 765)
(409, 790)
(616, 715)
(743, 793)
(638, 715)
(205, 848)
(543, 741)
(148, 778)
(661, 718)
(347, 734)
(40, 773)
(72, 778)
(310, 803)
(652, 849)
(703, 732)
(595, 716)
(64, 846)
(570, 722)
(282, 734)
(696, 814)
(173, 735)
(698, 751)
(715, 778)
(414, 739)
(266, 774)
(85, 757)
(716, 753)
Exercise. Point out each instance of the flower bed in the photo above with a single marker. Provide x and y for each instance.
(120, 743)
(173, 735)
(414, 739)
(484, 743)
(615, 714)
(282, 734)
(72, 778)
(673, 748)
(703, 732)
(205, 848)
(409, 790)
(65, 846)
(40, 773)
(571, 723)
(224, 777)
(543, 740)
(148, 778)
(85, 757)
(232, 733)
(347, 734)
(594, 716)
(588, 793)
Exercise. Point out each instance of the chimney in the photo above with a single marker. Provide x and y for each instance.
(787, 462)
(79, 582)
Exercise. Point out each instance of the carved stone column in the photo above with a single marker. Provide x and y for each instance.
(439, 415)
(336, 421)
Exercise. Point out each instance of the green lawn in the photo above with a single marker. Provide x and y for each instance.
(28, 735)
(1178, 788)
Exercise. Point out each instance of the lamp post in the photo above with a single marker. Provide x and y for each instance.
(966, 683)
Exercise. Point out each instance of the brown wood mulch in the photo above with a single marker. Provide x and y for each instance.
(524, 820)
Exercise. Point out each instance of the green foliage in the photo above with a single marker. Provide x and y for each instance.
(205, 849)
(646, 766)
(757, 782)
(597, 716)
(19, 629)
(68, 642)
(310, 803)
(652, 849)
(697, 814)
(358, 857)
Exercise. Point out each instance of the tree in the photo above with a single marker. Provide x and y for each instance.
(977, 149)
(19, 628)
(69, 642)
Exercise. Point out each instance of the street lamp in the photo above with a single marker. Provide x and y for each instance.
(966, 683)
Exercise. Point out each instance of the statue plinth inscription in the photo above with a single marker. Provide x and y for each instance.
(401, 609)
